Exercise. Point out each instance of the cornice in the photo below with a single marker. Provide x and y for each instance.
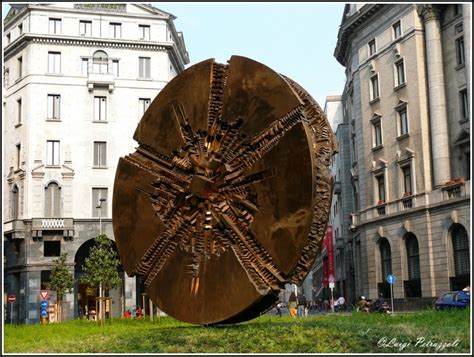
(348, 27)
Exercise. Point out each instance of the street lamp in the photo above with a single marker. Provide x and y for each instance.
(99, 207)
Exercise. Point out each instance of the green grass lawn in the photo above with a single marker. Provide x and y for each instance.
(267, 334)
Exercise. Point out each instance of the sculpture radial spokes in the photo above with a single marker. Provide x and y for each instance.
(203, 193)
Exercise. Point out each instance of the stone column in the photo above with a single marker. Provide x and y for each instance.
(436, 95)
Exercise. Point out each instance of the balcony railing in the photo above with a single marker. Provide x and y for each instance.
(52, 224)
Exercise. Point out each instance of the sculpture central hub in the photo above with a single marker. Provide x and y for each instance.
(202, 187)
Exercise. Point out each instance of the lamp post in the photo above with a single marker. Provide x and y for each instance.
(99, 207)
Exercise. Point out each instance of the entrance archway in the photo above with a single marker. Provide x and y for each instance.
(85, 296)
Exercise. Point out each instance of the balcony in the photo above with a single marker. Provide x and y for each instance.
(101, 71)
(407, 201)
(381, 208)
(100, 80)
(14, 228)
(354, 220)
(454, 189)
(38, 225)
(337, 188)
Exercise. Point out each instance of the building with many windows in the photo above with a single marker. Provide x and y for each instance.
(406, 100)
(77, 79)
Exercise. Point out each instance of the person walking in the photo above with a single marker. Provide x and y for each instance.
(278, 309)
(292, 304)
(301, 305)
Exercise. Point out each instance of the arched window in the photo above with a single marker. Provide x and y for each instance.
(15, 201)
(52, 200)
(460, 251)
(386, 265)
(386, 258)
(413, 284)
(413, 257)
(100, 62)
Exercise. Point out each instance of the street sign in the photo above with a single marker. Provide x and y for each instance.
(44, 294)
(44, 304)
(391, 279)
(44, 313)
(12, 298)
(331, 285)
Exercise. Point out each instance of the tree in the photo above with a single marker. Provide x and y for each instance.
(61, 280)
(101, 267)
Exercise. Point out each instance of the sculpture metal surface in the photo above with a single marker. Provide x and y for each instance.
(227, 197)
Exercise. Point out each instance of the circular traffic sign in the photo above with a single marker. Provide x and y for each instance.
(391, 278)
(44, 304)
(44, 313)
(12, 298)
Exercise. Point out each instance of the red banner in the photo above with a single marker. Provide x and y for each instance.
(328, 262)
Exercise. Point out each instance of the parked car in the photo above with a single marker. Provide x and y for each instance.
(453, 300)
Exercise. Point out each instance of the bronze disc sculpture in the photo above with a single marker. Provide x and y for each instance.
(227, 197)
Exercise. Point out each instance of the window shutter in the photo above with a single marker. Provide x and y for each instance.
(50, 106)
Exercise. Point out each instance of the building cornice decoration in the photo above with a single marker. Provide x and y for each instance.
(348, 27)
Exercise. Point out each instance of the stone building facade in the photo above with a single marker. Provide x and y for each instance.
(77, 79)
(407, 103)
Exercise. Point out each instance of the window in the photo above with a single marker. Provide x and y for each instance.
(460, 51)
(461, 251)
(386, 258)
(403, 120)
(52, 200)
(100, 62)
(374, 87)
(52, 248)
(100, 109)
(144, 67)
(100, 154)
(413, 285)
(19, 111)
(8, 37)
(20, 29)
(115, 30)
(45, 279)
(85, 66)
(15, 202)
(380, 188)
(52, 150)
(144, 32)
(85, 28)
(372, 48)
(97, 194)
(400, 73)
(463, 98)
(397, 30)
(143, 104)
(54, 106)
(115, 68)
(55, 26)
(6, 76)
(54, 62)
(406, 171)
(377, 127)
(20, 67)
(18, 155)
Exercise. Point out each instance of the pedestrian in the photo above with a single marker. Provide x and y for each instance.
(292, 304)
(301, 305)
(278, 308)
(339, 305)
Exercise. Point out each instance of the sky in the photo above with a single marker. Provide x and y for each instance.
(294, 39)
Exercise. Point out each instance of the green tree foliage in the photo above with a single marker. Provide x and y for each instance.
(61, 278)
(101, 266)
